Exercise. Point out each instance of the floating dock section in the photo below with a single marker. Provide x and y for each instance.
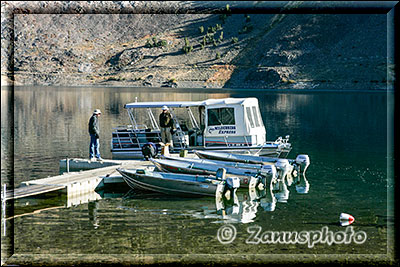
(84, 164)
(96, 173)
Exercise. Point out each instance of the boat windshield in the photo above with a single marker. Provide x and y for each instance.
(221, 116)
(184, 118)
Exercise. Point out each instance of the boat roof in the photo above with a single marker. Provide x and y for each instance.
(183, 104)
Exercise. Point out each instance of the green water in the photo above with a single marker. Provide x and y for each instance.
(345, 135)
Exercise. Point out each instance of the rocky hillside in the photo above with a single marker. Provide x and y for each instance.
(189, 48)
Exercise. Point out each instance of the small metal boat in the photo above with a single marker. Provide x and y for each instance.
(302, 161)
(224, 156)
(194, 167)
(217, 162)
(177, 184)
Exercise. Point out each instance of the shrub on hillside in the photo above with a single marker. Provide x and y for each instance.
(154, 43)
(187, 48)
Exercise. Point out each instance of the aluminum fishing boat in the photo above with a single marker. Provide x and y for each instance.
(251, 159)
(195, 167)
(229, 124)
(300, 164)
(185, 185)
(233, 164)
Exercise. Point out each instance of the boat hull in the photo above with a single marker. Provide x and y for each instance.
(232, 164)
(196, 168)
(272, 151)
(181, 185)
(230, 157)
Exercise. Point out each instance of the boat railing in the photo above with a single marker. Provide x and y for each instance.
(129, 136)
(130, 127)
(192, 119)
(125, 139)
(152, 119)
(119, 140)
(282, 140)
(247, 142)
(181, 138)
(226, 140)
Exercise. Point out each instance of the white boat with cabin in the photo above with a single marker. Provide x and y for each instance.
(230, 124)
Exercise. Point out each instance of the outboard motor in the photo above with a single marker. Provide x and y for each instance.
(283, 167)
(267, 178)
(280, 189)
(149, 150)
(231, 183)
(303, 161)
(267, 173)
(220, 175)
(255, 193)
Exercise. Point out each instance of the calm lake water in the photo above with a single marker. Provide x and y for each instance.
(345, 135)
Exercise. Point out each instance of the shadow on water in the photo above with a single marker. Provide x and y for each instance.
(154, 196)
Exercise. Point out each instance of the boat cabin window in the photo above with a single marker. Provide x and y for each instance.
(255, 115)
(221, 116)
(259, 117)
(250, 117)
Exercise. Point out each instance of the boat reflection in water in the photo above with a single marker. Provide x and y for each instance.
(265, 191)
(269, 188)
(264, 194)
(265, 197)
(302, 185)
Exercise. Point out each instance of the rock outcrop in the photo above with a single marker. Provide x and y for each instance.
(138, 43)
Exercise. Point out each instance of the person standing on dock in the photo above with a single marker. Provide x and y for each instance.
(167, 125)
(94, 131)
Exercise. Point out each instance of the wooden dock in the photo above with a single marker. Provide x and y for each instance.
(76, 183)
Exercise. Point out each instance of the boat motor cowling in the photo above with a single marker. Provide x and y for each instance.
(304, 161)
(268, 170)
(283, 168)
(221, 174)
(266, 174)
(282, 164)
(229, 183)
(233, 182)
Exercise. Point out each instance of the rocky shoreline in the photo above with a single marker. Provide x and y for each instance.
(190, 49)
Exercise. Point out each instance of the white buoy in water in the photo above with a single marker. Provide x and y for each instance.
(346, 219)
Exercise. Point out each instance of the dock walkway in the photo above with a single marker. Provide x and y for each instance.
(76, 182)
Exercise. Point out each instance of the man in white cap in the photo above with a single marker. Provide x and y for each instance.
(167, 125)
(94, 131)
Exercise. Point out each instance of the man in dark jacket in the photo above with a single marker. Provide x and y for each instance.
(167, 125)
(94, 131)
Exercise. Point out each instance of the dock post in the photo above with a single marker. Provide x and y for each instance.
(67, 162)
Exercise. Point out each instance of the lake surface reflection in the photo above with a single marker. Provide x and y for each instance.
(344, 134)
